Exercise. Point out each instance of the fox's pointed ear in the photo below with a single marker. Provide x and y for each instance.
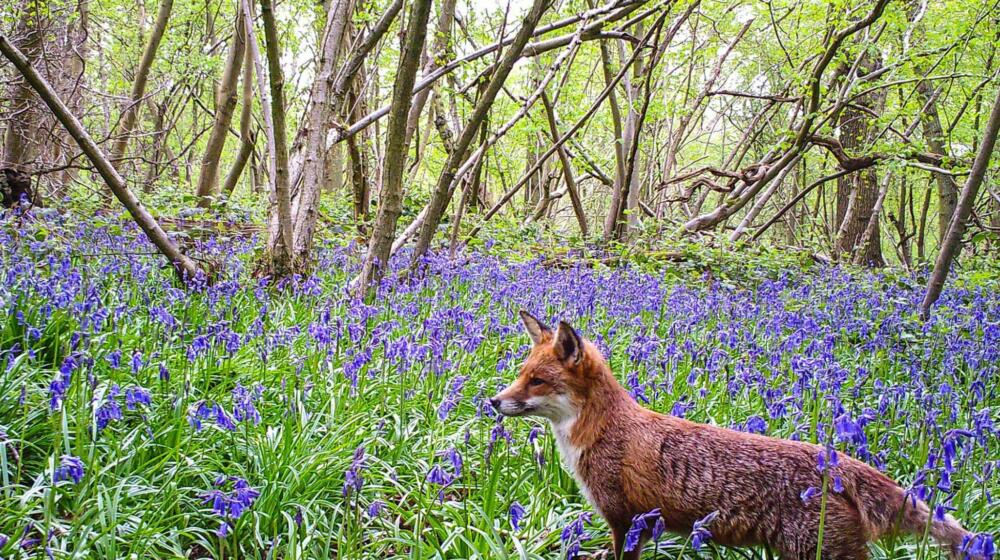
(536, 329)
(568, 344)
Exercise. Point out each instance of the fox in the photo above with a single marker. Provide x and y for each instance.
(629, 460)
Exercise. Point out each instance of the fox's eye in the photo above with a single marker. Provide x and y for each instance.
(535, 382)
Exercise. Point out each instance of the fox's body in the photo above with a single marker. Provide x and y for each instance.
(629, 460)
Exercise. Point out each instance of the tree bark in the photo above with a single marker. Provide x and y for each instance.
(282, 259)
(391, 196)
(438, 51)
(617, 191)
(934, 137)
(329, 93)
(856, 134)
(225, 105)
(130, 113)
(441, 195)
(247, 136)
(322, 109)
(25, 128)
(567, 166)
(956, 229)
(183, 265)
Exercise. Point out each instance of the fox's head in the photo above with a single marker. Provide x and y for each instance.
(553, 380)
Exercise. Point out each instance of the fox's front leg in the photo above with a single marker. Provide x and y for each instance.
(618, 536)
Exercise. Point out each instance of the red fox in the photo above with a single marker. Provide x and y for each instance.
(629, 460)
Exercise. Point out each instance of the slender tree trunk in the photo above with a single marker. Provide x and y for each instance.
(25, 127)
(130, 113)
(856, 133)
(441, 195)
(329, 94)
(282, 258)
(438, 52)
(391, 196)
(617, 191)
(934, 136)
(567, 166)
(247, 136)
(873, 222)
(184, 266)
(225, 105)
(956, 229)
(323, 107)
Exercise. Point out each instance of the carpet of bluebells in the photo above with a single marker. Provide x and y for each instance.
(243, 419)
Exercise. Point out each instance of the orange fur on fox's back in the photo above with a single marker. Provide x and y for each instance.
(629, 460)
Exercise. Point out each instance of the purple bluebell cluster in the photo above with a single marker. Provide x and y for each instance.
(826, 355)
(354, 479)
(229, 505)
(640, 524)
(574, 535)
(517, 514)
(700, 533)
(70, 468)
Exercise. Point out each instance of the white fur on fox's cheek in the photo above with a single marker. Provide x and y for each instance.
(510, 407)
(554, 407)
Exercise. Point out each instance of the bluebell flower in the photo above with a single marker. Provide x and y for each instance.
(534, 433)
(109, 411)
(230, 505)
(455, 459)
(573, 535)
(809, 493)
(136, 361)
(135, 396)
(115, 358)
(375, 508)
(223, 419)
(976, 547)
(353, 478)
(517, 513)
(60, 384)
(70, 468)
(437, 475)
(755, 425)
(223, 529)
(243, 403)
(640, 523)
(700, 533)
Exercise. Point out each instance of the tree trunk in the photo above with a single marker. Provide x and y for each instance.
(329, 92)
(247, 136)
(323, 107)
(391, 196)
(184, 266)
(617, 191)
(934, 136)
(360, 169)
(856, 133)
(25, 127)
(956, 229)
(441, 195)
(567, 166)
(432, 60)
(282, 258)
(225, 105)
(130, 113)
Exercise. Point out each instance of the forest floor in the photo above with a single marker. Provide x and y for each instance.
(243, 419)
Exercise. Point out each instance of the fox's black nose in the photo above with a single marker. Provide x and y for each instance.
(495, 403)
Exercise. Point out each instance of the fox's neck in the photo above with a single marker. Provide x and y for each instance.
(606, 402)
